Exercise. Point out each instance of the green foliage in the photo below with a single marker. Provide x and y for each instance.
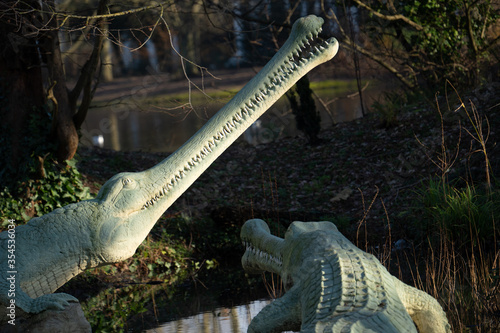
(112, 307)
(11, 208)
(464, 214)
(163, 260)
(61, 185)
(38, 184)
(449, 40)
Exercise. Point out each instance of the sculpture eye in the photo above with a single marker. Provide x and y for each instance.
(127, 182)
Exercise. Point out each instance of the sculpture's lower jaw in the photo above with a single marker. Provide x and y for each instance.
(262, 249)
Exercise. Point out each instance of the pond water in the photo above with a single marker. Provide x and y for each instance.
(220, 320)
(130, 124)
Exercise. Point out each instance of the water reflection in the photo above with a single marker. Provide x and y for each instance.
(130, 126)
(220, 320)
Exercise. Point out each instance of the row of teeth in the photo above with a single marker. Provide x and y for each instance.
(307, 48)
(262, 255)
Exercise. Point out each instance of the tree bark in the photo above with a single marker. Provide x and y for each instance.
(20, 87)
(65, 131)
(84, 83)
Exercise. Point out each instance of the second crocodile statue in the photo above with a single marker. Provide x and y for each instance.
(51, 249)
(332, 286)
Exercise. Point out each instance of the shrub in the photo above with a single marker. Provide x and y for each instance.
(60, 185)
(465, 214)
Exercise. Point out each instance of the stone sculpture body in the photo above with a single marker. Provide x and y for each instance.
(333, 286)
(52, 249)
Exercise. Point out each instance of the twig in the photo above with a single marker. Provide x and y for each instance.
(397, 17)
(363, 219)
(352, 46)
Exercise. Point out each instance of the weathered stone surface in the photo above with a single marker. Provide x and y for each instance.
(70, 319)
(333, 286)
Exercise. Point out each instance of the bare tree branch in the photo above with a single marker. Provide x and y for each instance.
(110, 15)
(395, 17)
(85, 80)
(350, 44)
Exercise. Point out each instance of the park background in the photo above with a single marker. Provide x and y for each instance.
(399, 149)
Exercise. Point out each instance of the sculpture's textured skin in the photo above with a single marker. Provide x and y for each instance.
(70, 320)
(332, 286)
(53, 248)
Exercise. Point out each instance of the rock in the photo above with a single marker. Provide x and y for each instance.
(401, 245)
(70, 319)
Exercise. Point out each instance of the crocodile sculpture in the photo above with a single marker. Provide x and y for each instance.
(332, 286)
(53, 248)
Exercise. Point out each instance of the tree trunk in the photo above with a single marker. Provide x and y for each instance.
(65, 131)
(107, 58)
(37, 122)
(21, 90)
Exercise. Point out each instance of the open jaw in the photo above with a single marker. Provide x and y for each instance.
(303, 51)
(263, 251)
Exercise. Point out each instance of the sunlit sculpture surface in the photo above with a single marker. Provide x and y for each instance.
(52, 249)
(332, 286)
